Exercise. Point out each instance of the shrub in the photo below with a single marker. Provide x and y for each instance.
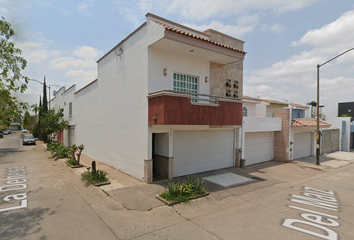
(184, 190)
(58, 150)
(75, 154)
(89, 177)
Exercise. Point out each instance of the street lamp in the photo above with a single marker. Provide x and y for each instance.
(48, 86)
(318, 105)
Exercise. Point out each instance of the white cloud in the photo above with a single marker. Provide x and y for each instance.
(83, 7)
(81, 77)
(72, 63)
(233, 30)
(205, 9)
(87, 52)
(276, 28)
(338, 33)
(298, 73)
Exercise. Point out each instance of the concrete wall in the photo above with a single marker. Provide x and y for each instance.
(251, 108)
(330, 140)
(175, 63)
(256, 124)
(111, 114)
(282, 138)
(220, 73)
(345, 128)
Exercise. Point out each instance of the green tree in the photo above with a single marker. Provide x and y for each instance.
(45, 100)
(26, 120)
(51, 122)
(11, 79)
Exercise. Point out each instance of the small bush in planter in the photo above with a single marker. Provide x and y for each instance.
(182, 191)
(94, 177)
(75, 154)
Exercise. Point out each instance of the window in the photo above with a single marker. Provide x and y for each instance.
(70, 109)
(244, 111)
(236, 84)
(298, 115)
(228, 83)
(228, 93)
(236, 94)
(185, 83)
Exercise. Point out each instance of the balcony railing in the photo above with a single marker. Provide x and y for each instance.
(169, 107)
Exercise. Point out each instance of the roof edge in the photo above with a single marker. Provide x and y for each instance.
(121, 42)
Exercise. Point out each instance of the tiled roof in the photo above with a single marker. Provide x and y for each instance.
(307, 122)
(180, 31)
(275, 102)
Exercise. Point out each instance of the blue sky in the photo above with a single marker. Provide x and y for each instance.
(285, 40)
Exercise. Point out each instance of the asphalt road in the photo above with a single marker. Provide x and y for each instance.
(37, 202)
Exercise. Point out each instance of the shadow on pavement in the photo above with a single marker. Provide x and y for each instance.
(21, 224)
(7, 151)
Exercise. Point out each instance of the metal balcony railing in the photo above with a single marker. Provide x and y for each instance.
(197, 97)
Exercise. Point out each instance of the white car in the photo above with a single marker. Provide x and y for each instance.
(24, 131)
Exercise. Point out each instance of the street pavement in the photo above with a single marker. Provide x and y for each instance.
(297, 200)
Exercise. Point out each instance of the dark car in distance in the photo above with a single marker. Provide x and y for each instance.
(28, 139)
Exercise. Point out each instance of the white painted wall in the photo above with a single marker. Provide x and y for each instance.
(162, 144)
(256, 124)
(175, 63)
(111, 114)
(261, 109)
(344, 133)
(251, 108)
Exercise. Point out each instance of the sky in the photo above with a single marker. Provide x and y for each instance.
(284, 40)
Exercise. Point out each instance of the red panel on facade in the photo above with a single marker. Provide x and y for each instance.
(178, 110)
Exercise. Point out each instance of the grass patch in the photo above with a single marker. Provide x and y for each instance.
(183, 190)
(90, 177)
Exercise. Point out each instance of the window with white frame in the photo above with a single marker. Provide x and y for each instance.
(244, 111)
(185, 83)
(70, 109)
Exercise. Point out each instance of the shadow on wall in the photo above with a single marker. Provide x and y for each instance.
(21, 224)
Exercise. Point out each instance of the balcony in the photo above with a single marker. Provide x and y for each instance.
(261, 124)
(167, 107)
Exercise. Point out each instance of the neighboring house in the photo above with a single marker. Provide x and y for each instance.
(166, 102)
(345, 124)
(274, 130)
(16, 123)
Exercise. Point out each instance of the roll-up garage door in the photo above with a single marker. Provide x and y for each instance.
(200, 151)
(302, 144)
(259, 147)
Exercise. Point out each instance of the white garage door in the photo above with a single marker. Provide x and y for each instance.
(259, 147)
(200, 151)
(302, 144)
(71, 135)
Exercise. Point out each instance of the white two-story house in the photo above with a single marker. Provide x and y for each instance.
(166, 102)
(274, 130)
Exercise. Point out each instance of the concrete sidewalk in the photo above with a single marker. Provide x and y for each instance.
(129, 207)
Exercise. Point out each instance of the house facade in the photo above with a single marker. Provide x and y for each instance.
(166, 103)
(280, 131)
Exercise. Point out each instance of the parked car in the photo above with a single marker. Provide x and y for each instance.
(9, 131)
(28, 139)
(6, 132)
(24, 131)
